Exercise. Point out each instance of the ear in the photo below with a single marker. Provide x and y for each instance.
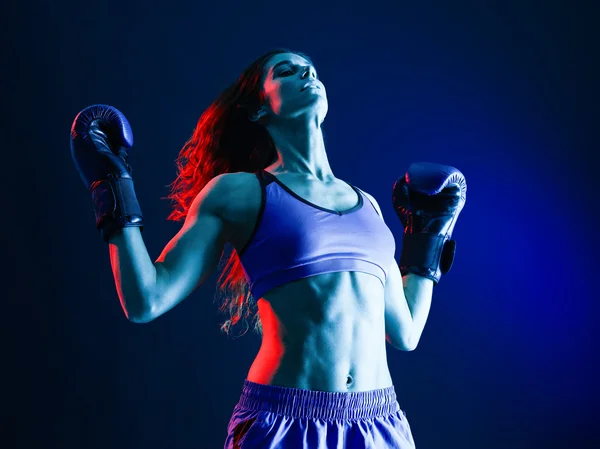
(258, 115)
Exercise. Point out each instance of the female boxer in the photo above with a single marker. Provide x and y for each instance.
(312, 263)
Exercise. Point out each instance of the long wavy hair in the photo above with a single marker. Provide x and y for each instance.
(226, 141)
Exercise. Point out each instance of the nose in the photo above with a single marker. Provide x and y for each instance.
(309, 72)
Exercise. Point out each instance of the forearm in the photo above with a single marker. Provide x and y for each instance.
(418, 291)
(134, 272)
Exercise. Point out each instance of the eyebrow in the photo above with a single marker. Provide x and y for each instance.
(287, 61)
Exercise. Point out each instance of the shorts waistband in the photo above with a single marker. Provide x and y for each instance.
(327, 405)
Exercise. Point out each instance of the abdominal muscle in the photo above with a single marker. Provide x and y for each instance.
(325, 332)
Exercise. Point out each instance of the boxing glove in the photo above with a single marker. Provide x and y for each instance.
(101, 139)
(428, 200)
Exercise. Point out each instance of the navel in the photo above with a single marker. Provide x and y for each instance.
(349, 380)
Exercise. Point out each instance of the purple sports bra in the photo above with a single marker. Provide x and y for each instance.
(295, 239)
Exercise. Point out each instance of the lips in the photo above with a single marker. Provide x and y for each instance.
(311, 84)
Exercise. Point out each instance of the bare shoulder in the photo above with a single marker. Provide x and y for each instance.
(224, 188)
(228, 189)
(373, 201)
(235, 197)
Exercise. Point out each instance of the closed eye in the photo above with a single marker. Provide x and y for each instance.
(291, 70)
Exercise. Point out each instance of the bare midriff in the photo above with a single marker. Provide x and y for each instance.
(325, 332)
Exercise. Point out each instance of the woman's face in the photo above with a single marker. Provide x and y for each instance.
(291, 88)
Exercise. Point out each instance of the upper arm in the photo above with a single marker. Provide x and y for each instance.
(398, 319)
(193, 253)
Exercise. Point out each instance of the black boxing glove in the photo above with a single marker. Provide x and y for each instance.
(100, 140)
(428, 200)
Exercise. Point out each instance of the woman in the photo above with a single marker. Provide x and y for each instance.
(310, 252)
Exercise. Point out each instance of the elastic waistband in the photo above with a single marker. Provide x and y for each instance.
(327, 405)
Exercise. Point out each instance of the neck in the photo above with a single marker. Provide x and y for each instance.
(301, 150)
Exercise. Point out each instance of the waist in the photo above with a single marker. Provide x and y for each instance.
(313, 404)
(321, 331)
(346, 367)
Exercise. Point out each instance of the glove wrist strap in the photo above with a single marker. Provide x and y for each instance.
(427, 255)
(116, 205)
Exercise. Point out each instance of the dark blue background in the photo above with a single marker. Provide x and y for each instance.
(504, 90)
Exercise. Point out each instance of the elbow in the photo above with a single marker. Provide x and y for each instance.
(139, 318)
(402, 344)
(143, 313)
(408, 347)
(410, 342)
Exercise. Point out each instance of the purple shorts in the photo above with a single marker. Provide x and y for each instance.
(273, 417)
